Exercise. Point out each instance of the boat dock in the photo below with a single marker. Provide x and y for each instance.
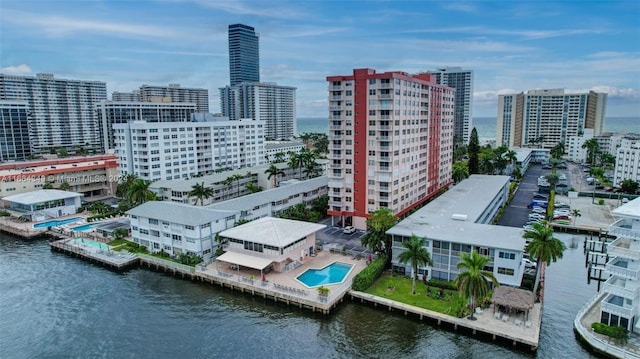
(487, 324)
(103, 256)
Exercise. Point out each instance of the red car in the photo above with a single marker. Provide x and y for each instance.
(562, 217)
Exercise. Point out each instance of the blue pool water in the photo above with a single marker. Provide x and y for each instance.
(85, 227)
(54, 223)
(91, 243)
(334, 273)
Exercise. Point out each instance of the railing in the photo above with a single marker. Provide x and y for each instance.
(615, 286)
(621, 271)
(384, 127)
(616, 309)
(166, 263)
(617, 248)
(621, 228)
(335, 127)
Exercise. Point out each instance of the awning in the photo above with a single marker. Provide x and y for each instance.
(245, 260)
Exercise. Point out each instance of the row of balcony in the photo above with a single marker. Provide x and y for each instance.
(617, 286)
(624, 228)
(610, 305)
(624, 247)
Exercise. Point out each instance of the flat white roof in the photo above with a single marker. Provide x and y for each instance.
(630, 209)
(272, 231)
(42, 195)
(245, 260)
(180, 213)
(470, 197)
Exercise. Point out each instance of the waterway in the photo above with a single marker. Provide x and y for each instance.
(56, 306)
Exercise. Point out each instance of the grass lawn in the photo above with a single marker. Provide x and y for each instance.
(118, 242)
(399, 289)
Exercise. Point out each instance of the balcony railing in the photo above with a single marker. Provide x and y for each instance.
(335, 175)
(622, 228)
(623, 272)
(335, 203)
(335, 137)
(385, 95)
(621, 248)
(615, 286)
(383, 138)
(611, 308)
(335, 165)
(384, 127)
(335, 127)
(335, 107)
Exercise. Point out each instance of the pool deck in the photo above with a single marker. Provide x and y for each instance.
(106, 257)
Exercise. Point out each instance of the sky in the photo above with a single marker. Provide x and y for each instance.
(512, 46)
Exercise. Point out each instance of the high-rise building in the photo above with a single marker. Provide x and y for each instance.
(171, 93)
(113, 112)
(266, 101)
(462, 81)
(133, 96)
(180, 150)
(14, 130)
(244, 54)
(390, 142)
(62, 111)
(544, 118)
(628, 160)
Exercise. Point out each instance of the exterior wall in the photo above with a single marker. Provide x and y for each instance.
(14, 130)
(462, 81)
(179, 150)
(273, 147)
(177, 94)
(574, 149)
(280, 256)
(627, 162)
(94, 176)
(554, 114)
(390, 142)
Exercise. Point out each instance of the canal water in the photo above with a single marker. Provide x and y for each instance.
(56, 306)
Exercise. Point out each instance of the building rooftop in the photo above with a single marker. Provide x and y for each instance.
(274, 145)
(628, 210)
(174, 212)
(38, 168)
(272, 231)
(42, 195)
(452, 216)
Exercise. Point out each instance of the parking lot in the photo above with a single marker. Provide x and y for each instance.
(336, 235)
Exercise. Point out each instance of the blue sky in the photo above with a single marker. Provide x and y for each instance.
(512, 46)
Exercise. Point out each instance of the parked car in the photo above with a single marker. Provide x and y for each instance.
(349, 230)
(535, 203)
(536, 216)
(528, 263)
(558, 205)
(527, 227)
(538, 210)
(565, 217)
(541, 197)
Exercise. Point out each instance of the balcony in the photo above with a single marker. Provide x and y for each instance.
(620, 268)
(622, 247)
(383, 138)
(617, 286)
(335, 127)
(615, 305)
(384, 127)
(384, 159)
(335, 137)
(334, 147)
(335, 203)
(336, 174)
(623, 228)
(384, 169)
(335, 87)
(335, 107)
(385, 95)
(336, 97)
(335, 165)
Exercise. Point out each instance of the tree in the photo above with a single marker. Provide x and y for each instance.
(139, 192)
(236, 177)
(119, 233)
(99, 207)
(252, 187)
(320, 143)
(474, 281)
(62, 152)
(294, 160)
(576, 213)
(201, 192)
(65, 186)
(459, 152)
(279, 157)
(123, 185)
(629, 186)
(607, 159)
(416, 254)
(544, 247)
(376, 239)
(47, 186)
(474, 150)
(460, 171)
(273, 172)
(557, 151)
(593, 148)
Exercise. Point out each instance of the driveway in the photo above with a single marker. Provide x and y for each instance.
(334, 235)
(516, 214)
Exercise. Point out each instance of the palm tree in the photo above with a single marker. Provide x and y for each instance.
(252, 187)
(65, 186)
(139, 192)
(279, 157)
(119, 233)
(273, 172)
(416, 254)
(557, 151)
(294, 160)
(122, 188)
(593, 148)
(474, 282)
(460, 171)
(201, 192)
(544, 247)
(576, 213)
(236, 177)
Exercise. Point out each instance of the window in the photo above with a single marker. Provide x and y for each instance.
(191, 228)
(507, 255)
(505, 271)
(153, 221)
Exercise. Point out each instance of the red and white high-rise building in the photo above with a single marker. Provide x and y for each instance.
(390, 142)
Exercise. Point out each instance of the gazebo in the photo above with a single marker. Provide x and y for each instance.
(513, 298)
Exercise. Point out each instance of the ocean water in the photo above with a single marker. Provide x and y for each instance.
(486, 126)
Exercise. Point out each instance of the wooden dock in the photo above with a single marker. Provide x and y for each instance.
(486, 325)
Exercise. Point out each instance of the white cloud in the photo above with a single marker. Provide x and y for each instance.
(21, 70)
(491, 96)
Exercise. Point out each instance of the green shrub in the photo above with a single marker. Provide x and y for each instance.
(442, 284)
(617, 333)
(189, 259)
(322, 290)
(4, 213)
(601, 201)
(369, 275)
(527, 284)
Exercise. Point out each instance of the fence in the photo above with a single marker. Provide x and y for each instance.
(166, 263)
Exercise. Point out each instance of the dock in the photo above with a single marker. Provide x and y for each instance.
(105, 257)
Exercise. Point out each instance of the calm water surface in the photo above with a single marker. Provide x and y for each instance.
(56, 306)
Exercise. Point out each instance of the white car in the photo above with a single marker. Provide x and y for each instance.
(536, 216)
(349, 230)
(559, 212)
(538, 210)
(528, 263)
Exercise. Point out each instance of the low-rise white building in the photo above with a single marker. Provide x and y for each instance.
(620, 304)
(284, 147)
(44, 204)
(627, 161)
(459, 221)
(573, 147)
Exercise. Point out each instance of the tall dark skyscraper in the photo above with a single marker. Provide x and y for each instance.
(244, 54)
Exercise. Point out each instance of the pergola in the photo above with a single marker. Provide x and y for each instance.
(513, 298)
(244, 260)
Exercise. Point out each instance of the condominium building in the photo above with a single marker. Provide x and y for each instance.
(281, 150)
(244, 54)
(573, 146)
(171, 93)
(179, 150)
(620, 300)
(609, 142)
(627, 161)
(269, 102)
(133, 96)
(112, 112)
(390, 142)
(459, 221)
(14, 130)
(462, 81)
(95, 177)
(62, 111)
(544, 118)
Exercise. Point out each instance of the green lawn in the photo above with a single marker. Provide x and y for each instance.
(399, 289)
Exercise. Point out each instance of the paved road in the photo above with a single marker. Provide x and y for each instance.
(516, 213)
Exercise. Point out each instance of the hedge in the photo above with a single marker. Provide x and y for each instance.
(442, 284)
(619, 334)
(370, 274)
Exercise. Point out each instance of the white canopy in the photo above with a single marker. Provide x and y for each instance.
(245, 260)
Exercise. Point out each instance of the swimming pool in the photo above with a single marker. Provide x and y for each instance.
(85, 227)
(54, 223)
(91, 243)
(334, 273)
